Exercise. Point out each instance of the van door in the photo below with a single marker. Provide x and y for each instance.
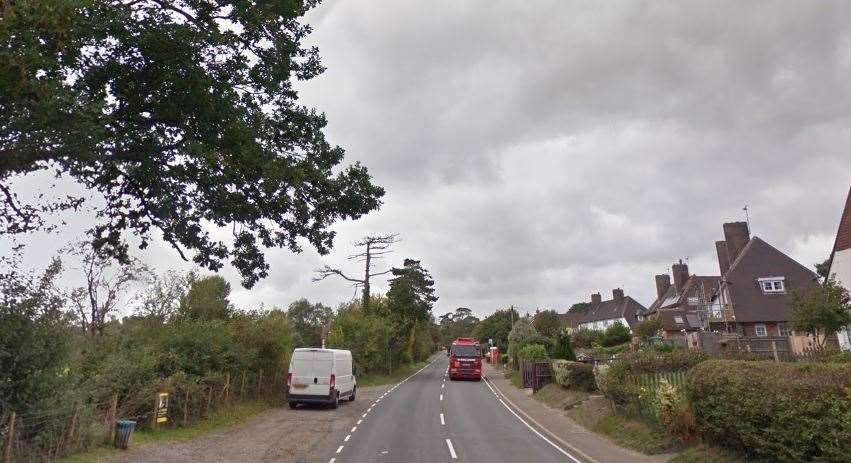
(343, 370)
(311, 373)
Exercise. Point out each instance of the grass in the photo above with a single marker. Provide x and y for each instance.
(223, 418)
(515, 378)
(559, 397)
(399, 374)
(703, 453)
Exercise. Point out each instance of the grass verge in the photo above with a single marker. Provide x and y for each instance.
(703, 453)
(231, 416)
(399, 374)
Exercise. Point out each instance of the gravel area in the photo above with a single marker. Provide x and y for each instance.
(279, 434)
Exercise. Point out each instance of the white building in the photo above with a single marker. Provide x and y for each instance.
(840, 264)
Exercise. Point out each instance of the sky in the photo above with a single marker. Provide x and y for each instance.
(536, 152)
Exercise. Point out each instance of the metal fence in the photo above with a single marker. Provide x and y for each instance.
(536, 373)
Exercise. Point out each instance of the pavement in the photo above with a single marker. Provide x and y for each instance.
(428, 418)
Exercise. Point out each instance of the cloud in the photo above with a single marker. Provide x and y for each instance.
(535, 153)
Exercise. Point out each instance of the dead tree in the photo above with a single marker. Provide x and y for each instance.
(374, 248)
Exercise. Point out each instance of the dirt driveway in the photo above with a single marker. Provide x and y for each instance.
(279, 434)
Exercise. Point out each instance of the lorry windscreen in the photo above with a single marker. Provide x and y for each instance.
(465, 351)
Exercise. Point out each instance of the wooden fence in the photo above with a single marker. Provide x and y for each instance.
(536, 373)
(45, 435)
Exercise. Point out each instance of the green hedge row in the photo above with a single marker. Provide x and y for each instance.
(574, 375)
(785, 412)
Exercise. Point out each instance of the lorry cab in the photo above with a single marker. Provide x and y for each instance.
(465, 359)
(322, 376)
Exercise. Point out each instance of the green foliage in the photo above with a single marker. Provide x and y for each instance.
(207, 299)
(496, 326)
(460, 324)
(522, 333)
(617, 380)
(649, 327)
(579, 307)
(547, 323)
(176, 122)
(308, 322)
(367, 335)
(586, 339)
(783, 412)
(532, 352)
(574, 375)
(35, 340)
(503, 358)
(411, 295)
(562, 348)
(821, 311)
(616, 334)
(673, 411)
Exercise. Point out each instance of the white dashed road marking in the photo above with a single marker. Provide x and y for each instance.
(451, 449)
(442, 421)
(347, 438)
(339, 449)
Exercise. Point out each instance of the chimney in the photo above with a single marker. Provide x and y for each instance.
(596, 298)
(736, 236)
(617, 294)
(680, 272)
(723, 258)
(663, 282)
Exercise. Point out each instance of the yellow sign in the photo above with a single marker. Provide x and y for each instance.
(162, 407)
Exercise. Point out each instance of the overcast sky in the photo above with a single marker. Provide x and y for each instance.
(536, 152)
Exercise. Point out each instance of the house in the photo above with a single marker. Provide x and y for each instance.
(840, 263)
(601, 314)
(755, 293)
(683, 306)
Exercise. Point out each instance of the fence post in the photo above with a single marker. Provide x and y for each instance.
(154, 412)
(186, 406)
(260, 383)
(10, 439)
(242, 388)
(209, 399)
(74, 418)
(774, 351)
(226, 390)
(113, 417)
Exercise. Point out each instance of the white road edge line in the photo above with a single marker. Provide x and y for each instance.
(339, 449)
(442, 421)
(451, 449)
(487, 382)
(354, 429)
(360, 421)
(332, 460)
(349, 436)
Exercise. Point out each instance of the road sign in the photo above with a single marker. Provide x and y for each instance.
(162, 407)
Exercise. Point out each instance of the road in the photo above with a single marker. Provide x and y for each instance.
(428, 418)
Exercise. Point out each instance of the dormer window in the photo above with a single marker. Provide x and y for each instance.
(772, 285)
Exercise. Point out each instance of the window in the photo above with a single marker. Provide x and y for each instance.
(772, 285)
(692, 301)
(760, 330)
(784, 329)
(678, 319)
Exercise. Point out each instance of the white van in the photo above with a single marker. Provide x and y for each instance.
(320, 376)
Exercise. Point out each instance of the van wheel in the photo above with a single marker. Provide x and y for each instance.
(335, 402)
(293, 405)
(352, 397)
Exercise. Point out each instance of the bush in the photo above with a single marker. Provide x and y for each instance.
(574, 375)
(562, 348)
(786, 412)
(616, 334)
(618, 381)
(532, 352)
(673, 411)
(503, 358)
(586, 339)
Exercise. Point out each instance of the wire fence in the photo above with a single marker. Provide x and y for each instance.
(48, 434)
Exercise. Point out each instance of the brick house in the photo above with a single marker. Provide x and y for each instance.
(683, 305)
(601, 314)
(840, 263)
(755, 292)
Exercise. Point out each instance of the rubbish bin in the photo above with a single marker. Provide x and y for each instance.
(123, 429)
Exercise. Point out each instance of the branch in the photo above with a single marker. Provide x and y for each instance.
(380, 273)
(327, 271)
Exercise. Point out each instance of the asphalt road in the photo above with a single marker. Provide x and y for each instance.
(428, 418)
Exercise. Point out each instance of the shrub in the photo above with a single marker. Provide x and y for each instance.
(574, 375)
(616, 334)
(786, 412)
(562, 348)
(522, 333)
(673, 411)
(532, 352)
(585, 338)
(503, 358)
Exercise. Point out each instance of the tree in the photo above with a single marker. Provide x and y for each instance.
(207, 299)
(374, 248)
(411, 295)
(649, 327)
(823, 268)
(821, 311)
(106, 282)
(496, 326)
(459, 324)
(179, 115)
(547, 323)
(161, 297)
(522, 333)
(616, 334)
(309, 321)
(562, 347)
(579, 307)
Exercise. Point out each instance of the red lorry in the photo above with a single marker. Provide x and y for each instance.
(465, 359)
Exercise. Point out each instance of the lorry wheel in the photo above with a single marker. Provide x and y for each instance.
(335, 402)
(293, 405)
(352, 397)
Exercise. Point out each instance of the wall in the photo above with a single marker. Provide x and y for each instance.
(602, 325)
(842, 268)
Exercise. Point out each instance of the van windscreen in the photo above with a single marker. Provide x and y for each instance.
(465, 351)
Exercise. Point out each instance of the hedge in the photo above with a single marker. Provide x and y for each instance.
(574, 375)
(532, 352)
(785, 412)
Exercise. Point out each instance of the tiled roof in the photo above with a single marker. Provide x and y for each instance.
(695, 286)
(626, 307)
(676, 320)
(843, 235)
(759, 259)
